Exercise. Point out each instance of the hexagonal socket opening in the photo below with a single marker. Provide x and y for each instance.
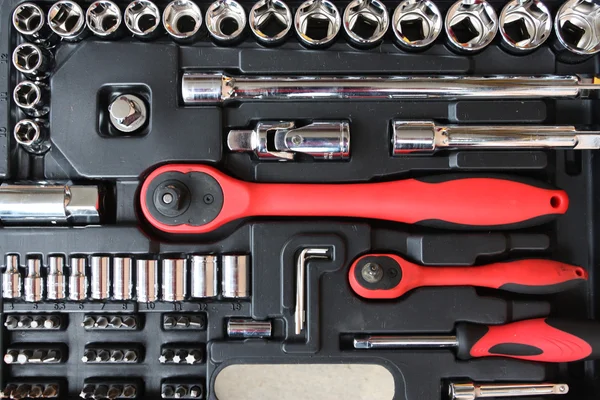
(464, 30)
(517, 30)
(27, 57)
(413, 29)
(26, 132)
(66, 19)
(28, 18)
(27, 95)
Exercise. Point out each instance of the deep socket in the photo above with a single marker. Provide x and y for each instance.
(243, 328)
(416, 24)
(471, 25)
(33, 61)
(67, 20)
(103, 19)
(142, 18)
(366, 22)
(55, 279)
(225, 21)
(204, 281)
(524, 25)
(182, 19)
(146, 280)
(32, 98)
(30, 21)
(122, 279)
(11, 278)
(77, 279)
(33, 282)
(317, 23)
(99, 277)
(236, 276)
(174, 279)
(32, 135)
(270, 21)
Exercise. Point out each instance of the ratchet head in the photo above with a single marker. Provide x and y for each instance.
(382, 276)
(416, 24)
(226, 21)
(577, 27)
(317, 23)
(365, 22)
(471, 25)
(182, 20)
(270, 21)
(525, 25)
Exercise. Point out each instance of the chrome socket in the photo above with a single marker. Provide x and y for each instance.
(32, 135)
(30, 21)
(366, 22)
(235, 276)
(524, 25)
(33, 61)
(204, 269)
(174, 279)
(103, 19)
(142, 18)
(270, 21)
(33, 283)
(577, 27)
(128, 113)
(78, 282)
(471, 25)
(226, 21)
(317, 23)
(56, 280)
(417, 24)
(146, 280)
(182, 19)
(32, 98)
(67, 20)
(11, 278)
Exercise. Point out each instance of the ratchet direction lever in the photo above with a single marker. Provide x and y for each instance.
(194, 199)
(388, 276)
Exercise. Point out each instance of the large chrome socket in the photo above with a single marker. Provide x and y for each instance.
(32, 98)
(577, 26)
(32, 60)
(366, 22)
(317, 23)
(67, 20)
(30, 21)
(32, 135)
(103, 19)
(416, 24)
(142, 18)
(270, 21)
(182, 19)
(225, 21)
(471, 25)
(524, 25)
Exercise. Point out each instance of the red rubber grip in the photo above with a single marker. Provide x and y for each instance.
(530, 276)
(483, 202)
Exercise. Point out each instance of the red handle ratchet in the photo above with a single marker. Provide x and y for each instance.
(388, 276)
(193, 199)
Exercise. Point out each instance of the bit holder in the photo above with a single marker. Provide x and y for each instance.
(40, 322)
(111, 322)
(181, 353)
(184, 321)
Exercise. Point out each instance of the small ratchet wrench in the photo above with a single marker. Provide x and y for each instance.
(388, 276)
(194, 199)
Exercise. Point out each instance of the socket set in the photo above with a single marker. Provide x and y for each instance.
(193, 186)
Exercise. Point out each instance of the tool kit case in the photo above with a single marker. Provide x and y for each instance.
(152, 310)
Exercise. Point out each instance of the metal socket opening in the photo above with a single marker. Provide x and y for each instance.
(270, 20)
(317, 22)
(366, 21)
(471, 24)
(417, 23)
(103, 18)
(66, 19)
(27, 95)
(225, 20)
(27, 132)
(28, 18)
(27, 58)
(525, 25)
(142, 17)
(577, 26)
(182, 19)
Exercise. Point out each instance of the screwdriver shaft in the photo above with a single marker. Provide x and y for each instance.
(397, 342)
(466, 391)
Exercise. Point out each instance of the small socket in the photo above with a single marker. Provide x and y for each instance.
(29, 20)
(524, 25)
(270, 21)
(32, 98)
(142, 18)
(103, 19)
(317, 23)
(226, 21)
(182, 19)
(471, 25)
(67, 20)
(577, 27)
(32, 135)
(417, 24)
(31, 60)
(366, 22)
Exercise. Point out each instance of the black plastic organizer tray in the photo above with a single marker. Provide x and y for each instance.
(183, 134)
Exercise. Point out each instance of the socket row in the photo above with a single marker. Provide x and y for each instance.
(102, 277)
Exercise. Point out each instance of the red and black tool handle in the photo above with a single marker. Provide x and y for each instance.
(542, 339)
(398, 276)
(193, 199)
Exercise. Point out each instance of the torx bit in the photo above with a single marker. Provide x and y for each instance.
(11, 356)
(11, 278)
(129, 322)
(181, 391)
(50, 391)
(33, 281)
(24, 322)
(101, 322)
(21, 392)
(87, 392)
(167, 392)
(115, 322)
(130, 356)
(89, 355)
(52, 322)
(179, 356)
(77, 279)
(36, 391)
(194, 357)
(37, 322)
(122, 283)
(114, 392)
(99, 277)
(129, 391)
(88, 322)
(166, 356)
(55, 281)
(196, 391)
(102, 356)
(11, 322)
(116, 356)
(101, 392)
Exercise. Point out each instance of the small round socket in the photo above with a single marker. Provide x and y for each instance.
(317, 23)
(32, 135)
(577, 27)
(366, 22)
(32, 98)
(67, 20)
(142, 18)
(471, 25)
(225, 21)
(32, 60)
(103, 19)
(416, 24)
(182, 20)
(127, 113)
(524, 25)
(28, 19)
(270, 21)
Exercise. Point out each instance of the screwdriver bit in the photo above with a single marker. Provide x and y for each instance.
(50, 391)
(24, 322)
(129, 322)
(194, 357)
(21, 392)
(195, 392)
(11, 356)
(87, 392)
(88, 356)
(166, 356)
(37, 322)
(11, 322)
(114, 392)
(129, 391)
(101, 392)
(181, 391)
(115, 322)
(36, 391)
(116, 356)
(102, 356)
(130, 356)
(88, 322)
(52, 322)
